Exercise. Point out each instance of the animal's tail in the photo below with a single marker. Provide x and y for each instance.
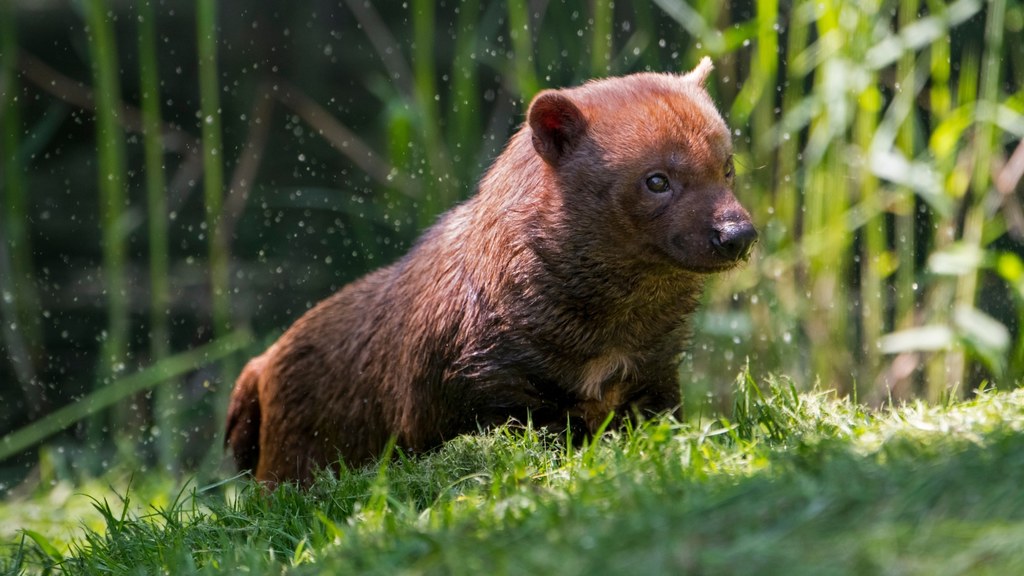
(242, 434)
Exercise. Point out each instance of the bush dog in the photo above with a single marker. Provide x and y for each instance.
(559, 293)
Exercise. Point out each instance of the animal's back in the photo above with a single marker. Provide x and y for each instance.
(243, 421)
(560, 292)
(353, 371)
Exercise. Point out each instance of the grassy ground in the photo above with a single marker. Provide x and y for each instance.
(787, 484)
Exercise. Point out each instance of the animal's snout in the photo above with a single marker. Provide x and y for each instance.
(733, 240)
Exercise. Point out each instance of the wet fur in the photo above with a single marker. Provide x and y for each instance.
(559, 292)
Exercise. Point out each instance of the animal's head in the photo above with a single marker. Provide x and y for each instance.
(646, 161)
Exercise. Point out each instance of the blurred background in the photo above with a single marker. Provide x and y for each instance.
(181, 180)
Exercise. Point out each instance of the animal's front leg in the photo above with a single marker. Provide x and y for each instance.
(663, 398)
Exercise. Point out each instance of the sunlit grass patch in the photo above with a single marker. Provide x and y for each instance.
(788, 484)
(60, 513)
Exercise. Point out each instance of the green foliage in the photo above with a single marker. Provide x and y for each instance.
(789, 484)
(875, 146)
(865, 146)
(118, 391)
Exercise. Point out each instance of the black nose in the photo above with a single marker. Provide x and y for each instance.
(733, 240)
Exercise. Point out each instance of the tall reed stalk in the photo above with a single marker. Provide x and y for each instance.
(402, 147)
(852, 194)
(213, 167)
(465, 126)
(113, 197)
(442, 189)
(213, 194)
(985, 142)
(840, 228)
(165, 406)
(602, 14)
(942, 369)
(19, 301)
(905, 240)
(522, 48)
(874, 250)
(785, 228)
(644, 17)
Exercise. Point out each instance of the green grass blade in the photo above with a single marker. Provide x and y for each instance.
(120, 389)
(800, 484)
(44, 544)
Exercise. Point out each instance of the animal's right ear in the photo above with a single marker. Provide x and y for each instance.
(699, 75)
(557, 125)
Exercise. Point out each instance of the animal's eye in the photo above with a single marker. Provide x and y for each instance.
(657, 183)
(730, 168)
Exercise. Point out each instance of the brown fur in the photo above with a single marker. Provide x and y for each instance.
(559, 293)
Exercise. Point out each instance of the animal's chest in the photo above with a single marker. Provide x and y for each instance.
(605, 383)
(603, 374)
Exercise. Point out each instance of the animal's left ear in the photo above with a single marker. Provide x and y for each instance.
(557, 125)
(699, 75)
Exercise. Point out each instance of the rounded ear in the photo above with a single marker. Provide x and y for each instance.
(557, 125)
(699, 75)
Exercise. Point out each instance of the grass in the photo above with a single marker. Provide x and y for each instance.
(789, 483)
(868, 147)
(869, 140)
